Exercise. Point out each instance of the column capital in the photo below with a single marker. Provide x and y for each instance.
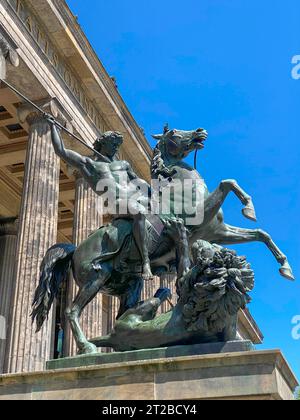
(7, 53)
(28, 113)
(9, 227)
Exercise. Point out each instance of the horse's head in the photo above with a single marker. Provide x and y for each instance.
(179, 144)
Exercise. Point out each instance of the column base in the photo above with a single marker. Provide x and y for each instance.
(248, 375)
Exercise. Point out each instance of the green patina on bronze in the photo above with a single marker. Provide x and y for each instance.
(210, 296)
(115, 259)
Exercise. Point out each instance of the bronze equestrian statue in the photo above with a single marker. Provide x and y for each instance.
(114, 259)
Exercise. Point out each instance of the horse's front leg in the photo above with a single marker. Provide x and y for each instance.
(214, 202)
(230, 235)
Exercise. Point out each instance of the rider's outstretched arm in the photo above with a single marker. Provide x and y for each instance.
(69, 156)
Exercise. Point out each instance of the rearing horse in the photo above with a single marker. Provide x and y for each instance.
(173, 146)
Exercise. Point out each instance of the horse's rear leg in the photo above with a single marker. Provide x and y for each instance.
(230, 235)
(215, 200)
(85, 295)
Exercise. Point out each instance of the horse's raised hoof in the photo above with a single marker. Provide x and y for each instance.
(287, 272)
(87, 348)
(249, 212)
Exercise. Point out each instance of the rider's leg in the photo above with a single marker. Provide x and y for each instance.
(141, 239)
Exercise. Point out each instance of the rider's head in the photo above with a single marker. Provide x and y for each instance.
(109, 143)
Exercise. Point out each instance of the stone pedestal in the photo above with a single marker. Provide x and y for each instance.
(254, 375)
(149, 354)
(87, 218)
(28, 351)
(8, 241)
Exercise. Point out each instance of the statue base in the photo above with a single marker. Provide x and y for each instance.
(149, 354)
(246, 375)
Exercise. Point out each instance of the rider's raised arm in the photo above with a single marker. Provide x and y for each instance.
(69, 156)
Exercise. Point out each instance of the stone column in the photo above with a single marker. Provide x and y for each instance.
(28, 351)
(87, 218)
(8, 241)
(114, 305)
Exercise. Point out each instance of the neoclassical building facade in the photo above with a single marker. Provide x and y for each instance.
(42, 201)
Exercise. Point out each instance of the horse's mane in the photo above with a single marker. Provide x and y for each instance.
(158, 167)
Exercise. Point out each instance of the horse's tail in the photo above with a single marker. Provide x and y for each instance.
(54, 271)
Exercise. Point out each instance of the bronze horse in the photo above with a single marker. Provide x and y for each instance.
(172, 148)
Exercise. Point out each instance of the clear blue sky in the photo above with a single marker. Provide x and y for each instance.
(226, 66)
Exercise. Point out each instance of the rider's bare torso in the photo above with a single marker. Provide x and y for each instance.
(119, 177)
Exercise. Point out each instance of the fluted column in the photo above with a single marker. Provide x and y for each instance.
(8, 241)
(114, 305)
(87, 218)
(38, 218)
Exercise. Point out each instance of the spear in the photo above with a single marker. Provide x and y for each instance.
(103, 158)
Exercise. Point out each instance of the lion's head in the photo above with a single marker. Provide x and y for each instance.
(217, 287)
